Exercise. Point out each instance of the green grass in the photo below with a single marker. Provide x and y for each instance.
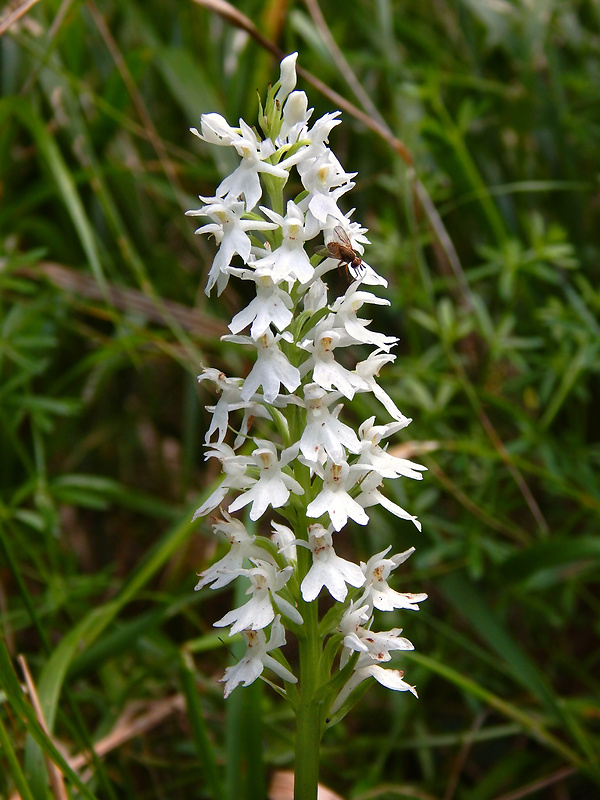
(489, 241)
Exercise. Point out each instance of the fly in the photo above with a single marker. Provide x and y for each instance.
(349, 262)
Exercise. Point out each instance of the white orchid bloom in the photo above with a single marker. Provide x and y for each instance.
(326, 371)
(367, 370)
(285, 540)
(345, 309)
(334, 499)
(377, 593)
(390, 678)
(376, 458)
(296, 114)
(257, 657)
(324, 434)
(271, 306)
(371, 496)
(273, 487)
(289, 261)
(265, 581)
(328, 569)
(271, 368)
(234, 467)
(358, 638)
(242, 547)
(230, 232)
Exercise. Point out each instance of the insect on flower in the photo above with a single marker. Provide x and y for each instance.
(349, 262)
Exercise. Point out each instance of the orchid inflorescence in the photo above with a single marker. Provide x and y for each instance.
(304, 463)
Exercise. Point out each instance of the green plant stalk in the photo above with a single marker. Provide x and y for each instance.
(308, 714)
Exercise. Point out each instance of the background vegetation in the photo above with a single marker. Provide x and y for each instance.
(486, 223)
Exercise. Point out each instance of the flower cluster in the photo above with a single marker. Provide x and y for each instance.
(291, 453)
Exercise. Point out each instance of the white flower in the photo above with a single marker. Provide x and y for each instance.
(350, 623)
(390, 678)
(229, 229)
(285, 540)
(265, 581)
(325, 369)
(270, 369)
(256, 658)
(377, 592)
(242, 546)
(367, 370)
(317, 138)
(254, 154)
(324, 433)
(333, 499)
(370, 496)
(325, 181)
(379, 644)
(289, 261)
(244, 180)
(345, 309)
(328, 569)
(271, 306)
(287, 77)
(273, 486)
(234, 467)
(230, 400)
(316, 297)
(358, 638)
(296, 114)
(319, 135)
(215, 130)
(374, 457)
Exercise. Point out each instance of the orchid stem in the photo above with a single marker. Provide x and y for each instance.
(308, 722)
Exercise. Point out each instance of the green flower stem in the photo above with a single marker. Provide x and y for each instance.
(308, 717)
(308, 712)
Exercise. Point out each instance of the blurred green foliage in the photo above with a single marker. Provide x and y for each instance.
(489, 240)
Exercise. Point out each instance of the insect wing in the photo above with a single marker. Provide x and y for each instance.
(342, 237)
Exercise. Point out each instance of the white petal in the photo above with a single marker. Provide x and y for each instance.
(246, 672)
(279, 669)
(390, 678)
(351, 573)
(255, 614)
(287, 76)
(211, 502)
(268, 493)
(288, 609)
